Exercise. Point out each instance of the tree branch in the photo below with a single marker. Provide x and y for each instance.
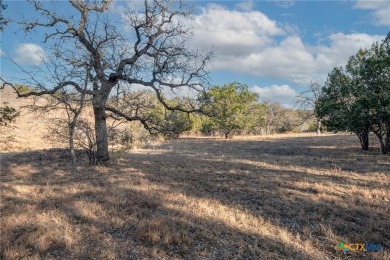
(46, 92)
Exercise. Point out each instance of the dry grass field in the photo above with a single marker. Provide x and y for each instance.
(282, 197)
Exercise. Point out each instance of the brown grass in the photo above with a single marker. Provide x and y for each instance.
(285, 197)
(29, 128)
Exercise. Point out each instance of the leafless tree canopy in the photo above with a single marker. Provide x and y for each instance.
(307, 101)
(142, 44)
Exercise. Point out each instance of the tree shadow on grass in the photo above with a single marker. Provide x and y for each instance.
(322, 152)
(109, 213)
(184, 203)
(328, 207)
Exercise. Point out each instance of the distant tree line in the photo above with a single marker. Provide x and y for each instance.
(228, 110)
(233, 109)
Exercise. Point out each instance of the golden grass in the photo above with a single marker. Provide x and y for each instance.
(283, 197)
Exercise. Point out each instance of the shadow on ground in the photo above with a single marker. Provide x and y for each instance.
(290, 198)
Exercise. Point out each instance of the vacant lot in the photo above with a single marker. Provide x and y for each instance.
(285, 197)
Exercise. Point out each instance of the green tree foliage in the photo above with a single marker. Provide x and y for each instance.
(335, 100)
(145, 107)
(170, 124)
(22, 89)
(208, 126)
(358, 98)
(340, 108)
(7, 115)
(230, 107)
(256, 118)
(3, 21)
(371, 74)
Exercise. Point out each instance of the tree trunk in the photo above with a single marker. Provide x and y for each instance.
(102, 154)
(384, 142)
(363, 137)
(318, 126)
(383, 147)
(387, 142)
(71, 148)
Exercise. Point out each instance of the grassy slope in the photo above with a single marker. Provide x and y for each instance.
(28, 130)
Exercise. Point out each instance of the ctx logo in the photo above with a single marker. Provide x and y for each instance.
(359, 247)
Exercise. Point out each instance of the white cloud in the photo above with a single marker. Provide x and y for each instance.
(233, 32)
(30, 54)
(251, 43)
(285, 3)
(342, 46)
(245, 5)
(283, 94)
(291, 59)
(380, 10)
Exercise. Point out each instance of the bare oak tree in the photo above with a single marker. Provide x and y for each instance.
(307, 101)
(273, 113)
(147, 46)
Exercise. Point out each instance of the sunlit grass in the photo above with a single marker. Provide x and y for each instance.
(286, 197)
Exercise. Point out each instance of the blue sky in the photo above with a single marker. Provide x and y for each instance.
(275, 47)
